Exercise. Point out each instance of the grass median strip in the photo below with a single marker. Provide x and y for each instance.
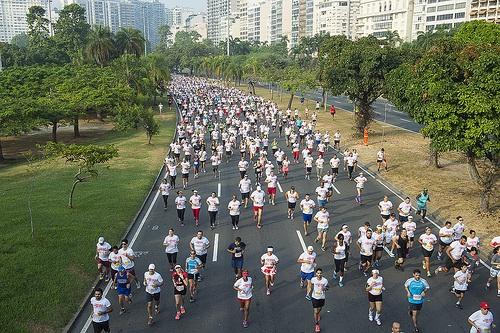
(45, 279)
(451, 190)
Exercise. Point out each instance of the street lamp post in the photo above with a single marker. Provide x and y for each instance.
(228, 26)
(385, 121)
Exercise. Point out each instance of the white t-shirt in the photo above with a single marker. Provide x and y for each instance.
(308, 267)
(170, 243)
(482, 321)
(446, 235)
(457, 249)
(258, 198)
(103, 250)
(367, 245)
(360, 181)
(322, 218)
(347, 236)
(391, 225)
(242, 165)
(234, 207)
(116, 260)
(126, 262)
(200, 245)
(153, 282)
(410, 228)
(334, 162)
(376, 284)
(428, 241)
(195, 201)
(321, 192)
(269, 260)
(212, 204)
(245, 287)
(99, 306)
(245, 185)
(460, 280)
(292, 196)
(185, 167)
(385, 207)
(308, 161)
(319, 163)
(405, 208)
(307, 206)
(271, 181)
(319, 287)
(165, 188)
(458, 228)
(180, 202)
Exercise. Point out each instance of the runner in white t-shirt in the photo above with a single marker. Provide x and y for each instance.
(213, 207)
(461, 280)
(454, 254)
(244, 287)
(245, 186)
(375, 287)
(427, 240)
(291, 197)
(360, 185)
(127, 257)
(308, 262)
(271, 181)
(102, 257)
(171, 242)
(200, 245)
(257, 198)
(410, 227)
(101, 307)
(195, 202)
(307, 205)
(385, 207)
(269, 261)
(322, 217)
(366, 246)
(153, 282)
(481, 320)
(320, 286)
(234, 211)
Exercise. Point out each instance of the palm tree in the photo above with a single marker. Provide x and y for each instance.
(130, 41)
(157, 73)
(99, 48)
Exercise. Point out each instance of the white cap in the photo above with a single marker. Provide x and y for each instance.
(410, 217)
(101, 240)
(375, 271)
(310, 248)
(270, 249)
(259, 188)
(151, 266)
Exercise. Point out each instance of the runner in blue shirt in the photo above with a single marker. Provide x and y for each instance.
(122, 284)
(193, 265)
(416, 289)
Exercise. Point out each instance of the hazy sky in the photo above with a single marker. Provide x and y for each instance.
(199, 5)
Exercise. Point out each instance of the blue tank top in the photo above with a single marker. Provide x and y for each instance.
(122, 280)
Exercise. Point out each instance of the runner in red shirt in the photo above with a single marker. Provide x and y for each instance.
(180, 280)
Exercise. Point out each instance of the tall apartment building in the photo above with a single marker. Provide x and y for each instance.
(13, 17)
(219, 14)
(180, 15)
(302, 20)
(281, 20)
(488, 10)
(335, 17)
(445, 14)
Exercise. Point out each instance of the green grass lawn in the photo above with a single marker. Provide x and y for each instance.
(43, 280)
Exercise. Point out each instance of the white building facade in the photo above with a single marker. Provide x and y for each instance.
(335, 17)
(445, 14)
(487, 10)
(13, 17)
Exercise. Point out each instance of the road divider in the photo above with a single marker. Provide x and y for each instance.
(218, 189)
(336, 189)
(279, 187)
(216, 247)
(301, 240)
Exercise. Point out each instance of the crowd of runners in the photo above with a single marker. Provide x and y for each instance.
(220, 124)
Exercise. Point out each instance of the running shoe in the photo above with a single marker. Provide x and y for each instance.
(429, 274)
(234, 228)
(101, 276)
(245, 324)
(157, 309)
(183, 310)
(268, 292)
(459, 306)
(423, 264)
(301, 284)
(237, 228)
(370, 316)
(308, 297)
(317, 328)
(138, 285)
(378, 322)
(341, 284)
(323, 248)
(150, 320)
(122, 311)
(177, 315)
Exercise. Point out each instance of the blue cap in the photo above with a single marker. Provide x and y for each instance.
(121, 269)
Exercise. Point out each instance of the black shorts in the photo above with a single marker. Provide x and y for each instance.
(426, 253)
(379, 249)
(335, 170)
(202, 257)
(403, 218)
(193, 276)
(291, 205)
(177, 155)
(102, 326)
(374, 298)
(245, 195)
(151, 297)
(412, 238)
(336, 141)
(415, 307)
(185, 175)
(365, 259)
(379, 161)
(450, 264)
(180, 292)
(443, 243)
(459, 292)
(317, 303)
(309, 169)
(385, 217)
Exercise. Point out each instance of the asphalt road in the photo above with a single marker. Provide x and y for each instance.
(286, 309)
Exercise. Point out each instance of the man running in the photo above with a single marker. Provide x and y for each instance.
(481, 320)
(121, 283)
(461, 280)
(257, 198)
(193, 266)
(375, 287)
(416, 289)
(171, 242)
(366, 245)
(245, 186)
(454, 256)
(320, 285)
(360, 185)
(101, 307)
(322, 217)
(308, 262)
(422, 199)
(385, 207)
(271, 181)
(153, 282)
(237, 248)
(445, 238)
(244, 288)
(307, 205)
(495, 269)
(427, 240)
(127, 256)
(291, 197)
(102, 257)
(269, 262)
(200, 245)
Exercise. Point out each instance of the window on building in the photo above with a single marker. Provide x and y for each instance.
(444, 7)
(443, 26)
(444, 17)
(431, 18)
(459, 15)
(460, 5)
(429, 28)
(431, 1)
(431, 9)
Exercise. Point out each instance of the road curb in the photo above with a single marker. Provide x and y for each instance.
(97, 282)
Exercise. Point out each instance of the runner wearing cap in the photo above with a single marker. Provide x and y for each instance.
(427, 240)
(257, 198)
(237, 248)
(339, 251)
(360, 185)
(320, 285)
(481, 320)
(307, 205)
(180, 281)
(323, 219)
(495, 269)
(171, 242)
(102, 257)
(193, 266)
(410, 226)
(375, 287)
(308, 262)
(416, 289)
(269, 262)
(101, 307)
(121, 283)
(153, 282)
(245, 186)
(291, 197)
(195, 202)
(244, 288)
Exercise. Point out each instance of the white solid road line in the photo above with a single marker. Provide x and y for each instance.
(218, 189)
(279, 187)
(336, 190)
(301, 240)
(108, 286)
(216, 247)
(408, 121)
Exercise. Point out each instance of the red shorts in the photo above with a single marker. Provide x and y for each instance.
(268, 270)
(296, 154)
(243, 301)
(271, 190)
(321, 153)
(196, 213)
(104, 263)
(257, 208)
(310, 150)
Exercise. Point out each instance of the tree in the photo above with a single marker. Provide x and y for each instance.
(38, 26)
(453, 92)
(358, 70)
(165, 38)
(100, 47)
(294, 80)
(150, 124)
(157, 75)
(86, 158)
(72, 30)
(130, 41)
